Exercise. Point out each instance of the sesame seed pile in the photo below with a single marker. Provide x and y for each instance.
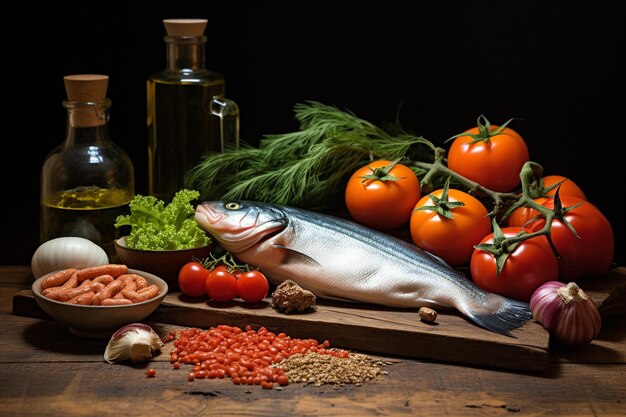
(313, 368)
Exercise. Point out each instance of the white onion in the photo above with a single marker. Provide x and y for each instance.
(566, 312)
(66, 252)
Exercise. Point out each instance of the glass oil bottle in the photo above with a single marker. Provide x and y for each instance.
(86, 181)
(188, 115)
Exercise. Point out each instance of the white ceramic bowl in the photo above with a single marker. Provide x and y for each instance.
(99, 321)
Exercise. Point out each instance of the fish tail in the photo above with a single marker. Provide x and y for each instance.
(509, 314)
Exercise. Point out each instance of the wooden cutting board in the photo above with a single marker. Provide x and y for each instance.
(380, 330)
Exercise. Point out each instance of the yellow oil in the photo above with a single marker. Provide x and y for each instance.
(181, 129)
(88, 212)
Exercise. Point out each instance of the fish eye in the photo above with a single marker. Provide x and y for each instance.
(232, 206)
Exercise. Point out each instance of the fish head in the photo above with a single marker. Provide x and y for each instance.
(239, 225)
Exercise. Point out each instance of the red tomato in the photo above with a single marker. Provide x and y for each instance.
(521, 215)
(252, 286)
(568, 187)
(494, 162)
(452, 239)
(591, 254)
(219, 267)
(531, 263)
(220, 285)
(191, 279)
(382, 203)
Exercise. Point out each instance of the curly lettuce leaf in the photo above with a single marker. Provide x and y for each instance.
(155, 226)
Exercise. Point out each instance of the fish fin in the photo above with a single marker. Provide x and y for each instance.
(511, 315)
(302, 257)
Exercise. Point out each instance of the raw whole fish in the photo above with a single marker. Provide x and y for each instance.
(340, 259)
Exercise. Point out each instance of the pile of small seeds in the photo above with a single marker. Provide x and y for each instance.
(245, 356)
(316, 369)
(260, 357)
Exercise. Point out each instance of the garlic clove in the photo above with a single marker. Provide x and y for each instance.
(135, 342)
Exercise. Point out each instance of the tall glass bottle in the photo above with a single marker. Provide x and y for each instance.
(86, 181)
(188, 115)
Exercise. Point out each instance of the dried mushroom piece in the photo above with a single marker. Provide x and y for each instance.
(290, 297)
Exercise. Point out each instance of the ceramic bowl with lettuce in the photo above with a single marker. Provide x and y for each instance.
(163, 237)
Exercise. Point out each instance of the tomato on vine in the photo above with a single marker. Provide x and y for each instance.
(589, 251)
(448, 223)
(490, 155)
(252, 286)
(565, 185)
(382, 194)
(191, 279)
(529, 264)
(546, 190)
(220, 285)
(522, 215)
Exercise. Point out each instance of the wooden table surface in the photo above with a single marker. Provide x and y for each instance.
(47, 371)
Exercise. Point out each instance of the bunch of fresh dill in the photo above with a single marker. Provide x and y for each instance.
(306, 168)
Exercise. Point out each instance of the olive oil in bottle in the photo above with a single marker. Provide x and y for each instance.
(188, 115)
(87, 181)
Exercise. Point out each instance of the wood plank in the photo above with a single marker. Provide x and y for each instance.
(26, 338)
(377, 329)
(359, 327)
(381, 330)
(77, 382)
(90, 388)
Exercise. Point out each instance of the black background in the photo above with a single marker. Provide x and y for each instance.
(557, 66)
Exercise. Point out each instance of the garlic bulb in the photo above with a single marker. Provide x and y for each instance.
(134, 341)
(566, 312)
(66, 252)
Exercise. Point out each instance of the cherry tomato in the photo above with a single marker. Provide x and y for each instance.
(219, 267)
(590, 255)
(252, 286)
(531, 263)
(191, 279)
(494, 161)
(237, 273)
(220, 285)
(452, 239)
(568, 187)
(382, 203)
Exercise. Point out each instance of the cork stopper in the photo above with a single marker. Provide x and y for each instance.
(86, 88)
(185, 27)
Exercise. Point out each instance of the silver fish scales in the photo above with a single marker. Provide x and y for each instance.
(336, 258)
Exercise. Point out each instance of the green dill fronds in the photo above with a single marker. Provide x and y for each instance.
(307, 168)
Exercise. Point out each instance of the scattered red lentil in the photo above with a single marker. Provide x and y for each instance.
(151, 373)
(245, 356)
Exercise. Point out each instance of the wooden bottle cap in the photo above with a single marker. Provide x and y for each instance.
(86, 88)
(185, 27)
